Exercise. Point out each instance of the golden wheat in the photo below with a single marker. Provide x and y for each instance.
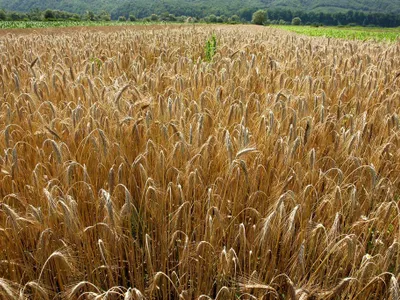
(132, 168)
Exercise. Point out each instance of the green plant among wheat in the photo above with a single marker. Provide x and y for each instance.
(211, 48)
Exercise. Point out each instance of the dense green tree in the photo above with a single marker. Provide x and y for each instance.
(90, 16)
(212, 18)
(104, 16)
(296, 21)
(164, 16)
(3, 15)
(48, 14)
(235, 19)
(167, 17)
(259, 17)
(172, 18)
(35, 14)
(181, 19)
(246, 13)
(13, 16)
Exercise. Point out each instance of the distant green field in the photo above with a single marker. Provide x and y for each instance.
(350, 33)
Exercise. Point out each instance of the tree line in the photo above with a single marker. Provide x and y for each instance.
(272, 16)
(339, 18)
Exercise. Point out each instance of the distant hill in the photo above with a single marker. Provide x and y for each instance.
(200, 8)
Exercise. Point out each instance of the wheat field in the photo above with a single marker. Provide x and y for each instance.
(134, 168)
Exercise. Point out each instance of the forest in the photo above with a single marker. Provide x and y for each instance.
(279, 16)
